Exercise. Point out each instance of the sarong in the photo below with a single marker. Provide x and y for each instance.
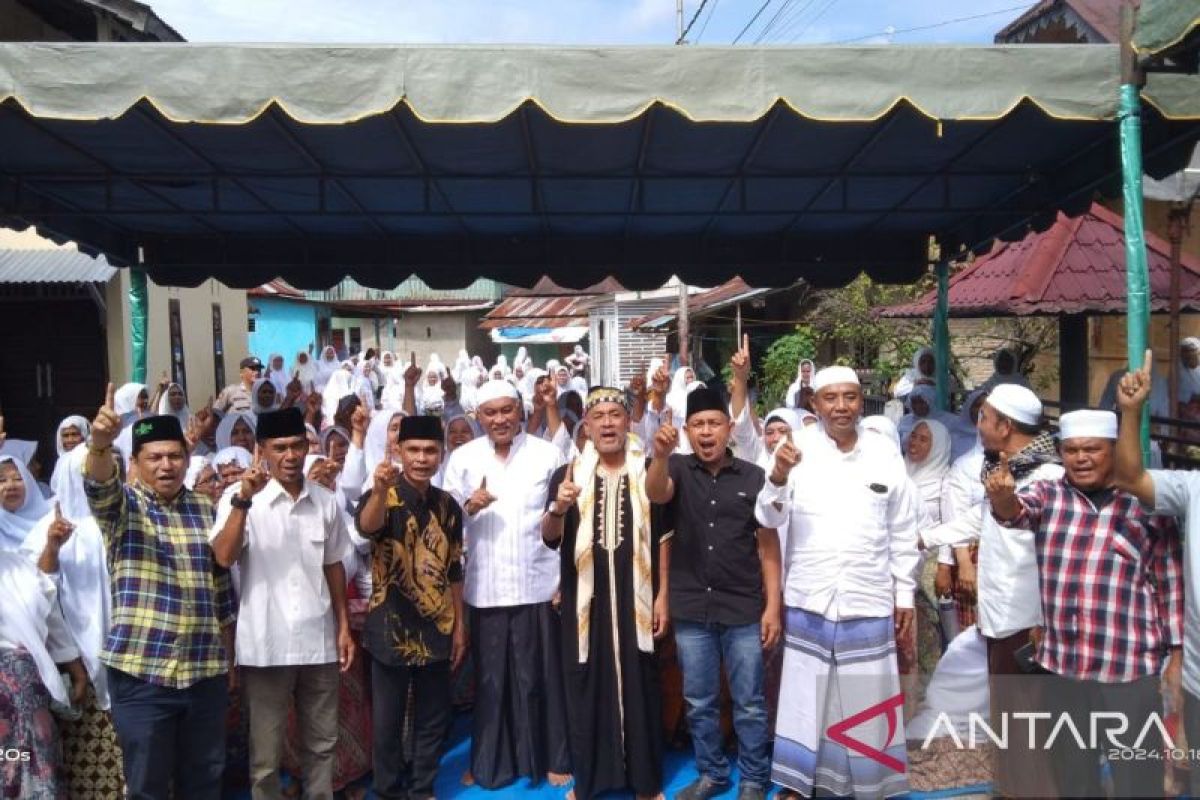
(92, 764)
(840, 723)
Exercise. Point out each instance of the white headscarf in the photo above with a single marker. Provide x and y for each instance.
(362, 386)
(125, 401)
(793, 392)
(257, 407)
(337, 386)
(881, 426)
(430, 397)
(1189, 379)
(83, 578)
(929, 473)
(278, 377)
(73, 421)
(678, 394)
(329, 433)
(225, 429)
(233, 455)
(911, 376)
(461, 365)
(184, 415)
(376, 445)
(327, 365)
(305, 372)
(196, 465)
(16, 525)
(28, 604)
(522, 358)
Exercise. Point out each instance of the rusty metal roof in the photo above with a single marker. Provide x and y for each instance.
(532, 311)
(728, 293)
(1075, 266)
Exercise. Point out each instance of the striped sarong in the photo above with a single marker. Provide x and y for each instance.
(840, 675)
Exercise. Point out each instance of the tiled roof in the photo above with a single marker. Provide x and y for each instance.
(1104, 16)
(52, 265)
(1075, 266)
(277, 288)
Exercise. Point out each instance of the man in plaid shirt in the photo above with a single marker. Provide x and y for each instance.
(1112, 597)
(167, 648)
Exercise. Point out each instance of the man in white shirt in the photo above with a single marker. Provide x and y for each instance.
(502, 482)
(1009, 597)
(851, 515)
(288, 537)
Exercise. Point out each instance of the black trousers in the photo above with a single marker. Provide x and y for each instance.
(520, 719)
(170, 737)
(394, 779)
(1077, 770)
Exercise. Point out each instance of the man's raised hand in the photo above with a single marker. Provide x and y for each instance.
(107, 424)
(666, 440)
(1001, 490)
(787, 456)
(480, 499)
(1135, 386)
(740, 362)
(359, 420)
(568, 492)
(386, 476)
(254, 481)
(412, 374)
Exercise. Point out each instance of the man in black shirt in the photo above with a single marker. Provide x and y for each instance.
(724, 591)
(415, 629)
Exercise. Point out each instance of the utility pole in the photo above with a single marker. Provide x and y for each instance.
(679, 21)
(683, 287)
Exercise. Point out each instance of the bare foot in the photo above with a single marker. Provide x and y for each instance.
(468, 779)
(558, 778)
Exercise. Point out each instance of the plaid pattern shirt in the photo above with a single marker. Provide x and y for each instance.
(170, 598)
(1111, 582)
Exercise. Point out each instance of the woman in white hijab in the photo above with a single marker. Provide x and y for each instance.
(72, 432)
(927, 457)
(431, 399)
(85, 597)
(277, 374)
(1189, 370)
(174, 403)
(326, 367)
(21, 503)
(361, 386)
(881, 427)
(336, 387)
(804, 372)
(230, 464)
(33, 642)
(263, 396)
(682, 383)
(922, 372)
(305, 371)
(236, 429)
(131, 402)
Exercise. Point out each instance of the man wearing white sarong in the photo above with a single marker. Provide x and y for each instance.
(851, 513)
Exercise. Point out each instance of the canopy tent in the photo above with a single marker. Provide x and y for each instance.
(1167, 27)
(311, 163)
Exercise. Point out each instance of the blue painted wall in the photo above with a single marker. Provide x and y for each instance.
(283, 327)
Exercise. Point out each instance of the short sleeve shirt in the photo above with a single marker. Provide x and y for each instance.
(716, 575)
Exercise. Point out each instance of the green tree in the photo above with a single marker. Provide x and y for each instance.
(780, 363)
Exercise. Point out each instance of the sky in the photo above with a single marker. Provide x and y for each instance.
(588, 21)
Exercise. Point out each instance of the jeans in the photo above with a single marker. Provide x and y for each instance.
(702, 650)
(170, 736)
(395, 780)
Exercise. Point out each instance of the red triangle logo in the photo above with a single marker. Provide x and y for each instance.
(838, 732)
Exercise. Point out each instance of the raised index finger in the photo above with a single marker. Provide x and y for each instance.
(1148, 362)
(110, 395)
(57, 510)
(746, 342)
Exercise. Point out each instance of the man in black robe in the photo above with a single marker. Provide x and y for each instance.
(614, 605)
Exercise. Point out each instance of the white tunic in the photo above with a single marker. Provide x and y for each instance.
(852, 528)
(285, 615)
(507, 564)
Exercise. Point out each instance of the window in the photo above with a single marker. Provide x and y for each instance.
(429, 333)
(355, 340)
(251, 325)
(178, 369)
(219, 348)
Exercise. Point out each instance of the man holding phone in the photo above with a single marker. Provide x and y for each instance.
(288, 537)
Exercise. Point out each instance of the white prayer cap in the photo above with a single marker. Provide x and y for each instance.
(1087, 424)
(1017, 403)
(496, 390)
(834, 375)
(1190, 343)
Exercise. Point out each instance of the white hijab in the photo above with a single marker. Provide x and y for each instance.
(278, 377)
(882, 427)
(911, 376)
(305, 372)
(225, 429)
(430, 397)
(233, 455)
(1189, 379)
(184, 415)
(73, 421)
(16, 525)
(376, 445)
(327, 366)
(929, 473)
(28, 604)
(83, 578)
(337, 386)
(125, 401)
(793, 392)
(258, 407)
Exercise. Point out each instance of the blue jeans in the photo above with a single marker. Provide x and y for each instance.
(702, 649)
(170, 736)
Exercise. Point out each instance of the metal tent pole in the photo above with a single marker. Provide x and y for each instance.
(1137, 279)
(139, 312)
(941, 334)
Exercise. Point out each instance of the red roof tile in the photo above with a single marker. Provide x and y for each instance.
(1075, 266)
(1104, 16)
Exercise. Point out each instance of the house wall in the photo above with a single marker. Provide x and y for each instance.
(444, 333)
(282, 326)
(633, 349)
(196, 316)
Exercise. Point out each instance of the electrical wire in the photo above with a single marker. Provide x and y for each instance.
(942, 24)
(813, 19)
(711, 11)
(789, 24)
(683, 36)
(783, 9)
(753, 19)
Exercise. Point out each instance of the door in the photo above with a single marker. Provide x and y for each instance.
(54, 364)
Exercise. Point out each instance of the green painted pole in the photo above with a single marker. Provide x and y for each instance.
(1137, 279)
(941, 334)
(139, 317)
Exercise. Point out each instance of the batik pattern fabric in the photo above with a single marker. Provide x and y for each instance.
(833, 671)
(27, 725)
(91, 754)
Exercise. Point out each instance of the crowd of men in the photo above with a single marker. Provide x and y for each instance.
(326, 551)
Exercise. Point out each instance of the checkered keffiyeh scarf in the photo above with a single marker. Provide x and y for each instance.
(1042, 450)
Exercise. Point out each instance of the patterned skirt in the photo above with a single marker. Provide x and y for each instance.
(32, 764)
(91, 754)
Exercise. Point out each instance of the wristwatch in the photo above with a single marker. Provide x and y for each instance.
(237, 502)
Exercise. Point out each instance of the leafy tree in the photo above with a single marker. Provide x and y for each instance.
(778, 368)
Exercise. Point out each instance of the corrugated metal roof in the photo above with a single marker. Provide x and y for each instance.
(1075, 266)
(728, 293)
(53, 265)
(523, 311)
